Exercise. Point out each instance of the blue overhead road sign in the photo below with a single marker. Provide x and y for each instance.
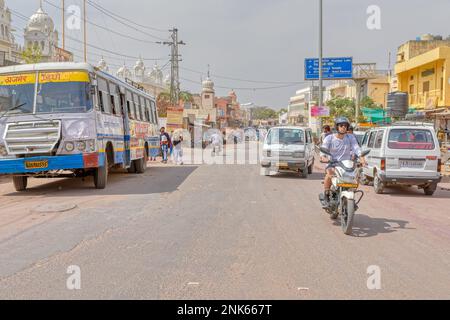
(333, 68)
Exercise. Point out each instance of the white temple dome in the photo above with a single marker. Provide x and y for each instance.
(40, 21)
(167, 81)
(124, 72)
(156, 75)
(208, 85)
(139, 65)
(102, 65)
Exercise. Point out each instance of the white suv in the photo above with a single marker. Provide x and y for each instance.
(403, 154)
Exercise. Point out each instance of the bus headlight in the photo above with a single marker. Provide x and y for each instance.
(69, 146)
(92, 145)
(81, 146)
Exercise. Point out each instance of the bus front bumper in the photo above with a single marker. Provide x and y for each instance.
(51, 163)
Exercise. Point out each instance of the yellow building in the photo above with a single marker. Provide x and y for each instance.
(425, 75)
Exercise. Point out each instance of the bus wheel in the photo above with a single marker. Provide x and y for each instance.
(20, 183)
(141, 164)
(101, 175)
(132, 168)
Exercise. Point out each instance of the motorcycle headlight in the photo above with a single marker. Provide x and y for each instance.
(69, 146)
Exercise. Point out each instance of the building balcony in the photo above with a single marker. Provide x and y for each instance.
(427, 100)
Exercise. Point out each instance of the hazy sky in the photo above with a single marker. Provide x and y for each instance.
(261, 40)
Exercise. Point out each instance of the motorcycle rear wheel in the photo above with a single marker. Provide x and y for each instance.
(348, 212)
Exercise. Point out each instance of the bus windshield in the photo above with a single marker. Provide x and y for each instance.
(63, 92)
(57, 92)
(67, 97)
(17, 93)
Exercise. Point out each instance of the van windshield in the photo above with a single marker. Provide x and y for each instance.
(411, 139)
(286, 136)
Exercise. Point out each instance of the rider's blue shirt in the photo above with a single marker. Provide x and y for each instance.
(342, 149)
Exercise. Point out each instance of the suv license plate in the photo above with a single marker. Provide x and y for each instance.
(416, 164)
(36, 164)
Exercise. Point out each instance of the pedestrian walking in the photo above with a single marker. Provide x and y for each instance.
(165, 144)
(177, 140)
(216, 142)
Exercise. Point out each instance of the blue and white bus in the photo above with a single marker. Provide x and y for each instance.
(72, 120)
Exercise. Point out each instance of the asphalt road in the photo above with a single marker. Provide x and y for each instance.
(218, 232)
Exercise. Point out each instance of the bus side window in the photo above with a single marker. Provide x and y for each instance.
(143, 110)
(130, 106)
(114, 91)
(155, 115)
(136, 106)
(104, 99)
(149, 111)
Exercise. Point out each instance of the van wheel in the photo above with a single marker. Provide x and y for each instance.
(101, 175)
(311, 168)
(378, 185)
(304, 173)
(430, 190)
(20, 183)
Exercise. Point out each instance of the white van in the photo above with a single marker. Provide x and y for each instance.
(288, 149)
(403, 154)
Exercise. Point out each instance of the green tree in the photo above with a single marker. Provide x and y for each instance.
(33, 54)
(367, 102)
(263, 113)
(186, 96)
(282, 111)
(341, 107)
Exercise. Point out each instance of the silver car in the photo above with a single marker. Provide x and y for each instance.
(288, 149)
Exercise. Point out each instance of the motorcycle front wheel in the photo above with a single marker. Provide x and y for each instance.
(348, 212)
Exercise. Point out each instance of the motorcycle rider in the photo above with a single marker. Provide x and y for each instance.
(342, 146)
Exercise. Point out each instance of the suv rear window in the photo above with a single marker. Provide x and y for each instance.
(412, 139)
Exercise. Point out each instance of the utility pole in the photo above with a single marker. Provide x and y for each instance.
(85, 31)
(175, 70)
(63, 25)
(320, 60)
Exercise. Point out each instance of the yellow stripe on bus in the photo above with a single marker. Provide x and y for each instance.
(69, 76)
(18, 79)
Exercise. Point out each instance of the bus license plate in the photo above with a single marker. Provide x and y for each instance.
(36, 164)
